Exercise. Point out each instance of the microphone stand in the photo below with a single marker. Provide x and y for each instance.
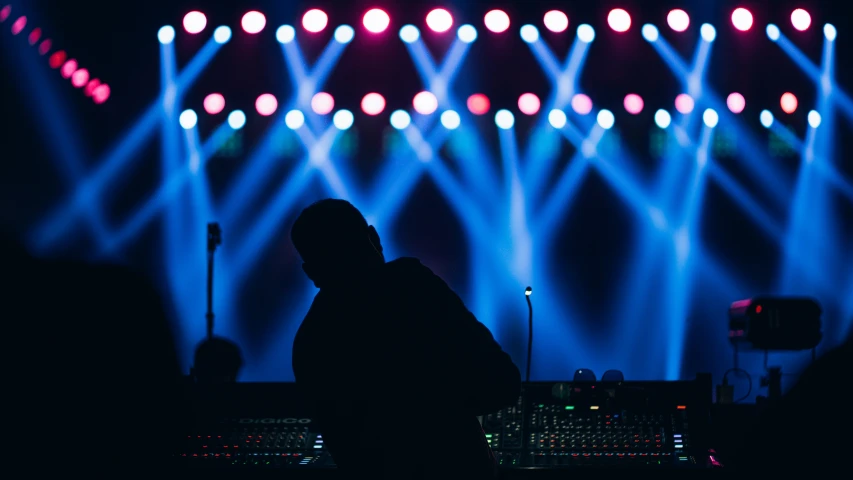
(527, 292)
(214, 239)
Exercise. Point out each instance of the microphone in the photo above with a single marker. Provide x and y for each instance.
(527, 292)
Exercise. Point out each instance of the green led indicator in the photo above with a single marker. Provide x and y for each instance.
(570, 407)
(488, 435)
(541, 405)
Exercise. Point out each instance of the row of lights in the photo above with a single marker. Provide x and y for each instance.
(440, 20)
(426, 103)
(68, 68)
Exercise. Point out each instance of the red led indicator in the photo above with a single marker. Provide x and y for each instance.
(682, 407)
(758, 309)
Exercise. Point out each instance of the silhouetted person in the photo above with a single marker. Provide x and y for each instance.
(217, 360)
(394, 366)
(93, 377)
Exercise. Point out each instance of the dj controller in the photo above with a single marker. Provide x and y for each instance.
(552, 426)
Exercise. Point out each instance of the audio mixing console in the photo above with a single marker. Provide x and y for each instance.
(552, 426)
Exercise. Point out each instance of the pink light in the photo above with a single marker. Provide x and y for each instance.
(266, 104)
(44, 47)
(19, 25)
(5, 12)
(425, 103)
(478, 104)
(376, 21)
(253, 22)
(581, 104)
(322, 103)
(373, 104)
(68, 68)
(556, 21)
(678, 20)
(789, 102)
(214, 103)
(742, 19)
(736, 102)
(101, 93)
(497, 21)
(619, 20)
(34, 36)
(80, 78)
(194, 22)
(91, 86)
(439, 20)
(633, 103)
(315, 20)
(529, 104)
(684, 103)
(800, 19)
(57, 59)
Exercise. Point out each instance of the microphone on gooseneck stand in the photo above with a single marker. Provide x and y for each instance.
(527, 292)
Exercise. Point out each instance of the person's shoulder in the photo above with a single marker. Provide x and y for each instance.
(407, 266)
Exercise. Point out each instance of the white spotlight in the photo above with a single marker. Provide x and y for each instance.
(708, 32)
(814, 119)
(766, 118)
(829, 32)
(344, 34)
(466, 33)
(606, 119)
(662, 118)
(710, 118)
(650, 32)
(504, 119)
(409, 34)
(773, 32)
(586, 33)
(342, 119)
(294, 119)
(166, 35)
(400, 119)
(529, 33)
(188, 119)
(557, 119)
(222, 34)
(236, 119)
(285, 34)
(450, 120)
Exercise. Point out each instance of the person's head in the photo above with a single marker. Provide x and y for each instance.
(335, 242)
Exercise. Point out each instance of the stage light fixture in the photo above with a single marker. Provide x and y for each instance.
(814, 119)
(708, 32)
(19, 25)
(373, 104)
(529, 33)
(222, 34)
(253, 22)
(344, 34)
(529, 104)
(684, 103)
(400, 119)
(650, 32)
(44, 46)
(91, 86)
(735, 102)
(188, 119)
(773, 32)
(5, 12)
(801, 20)
(214, 103)
(450, 120)
(766, 118)
(710, 118)
(478, 104)
(678, 20)
(439, 20)
(557, 119)
(101, 93)
(166, 35)
(633, 103)
(34, 36)
(742, 19)
(194, 22)
(80, 78)
(343, 119)
(830, 32)
(285, 34)
(315, 20)
(662, 118)
(266, 104)
(504, 119)
(497, 21)
(619, 20)
(57, 59)
(425, 103)
(294, 119)
(788, 102)
(236, 119)
(586, 33)
(68, 68)
(605, 119)
(556, 21)
(376, 20)
(581, 104)
(467, 33)
(322, 103)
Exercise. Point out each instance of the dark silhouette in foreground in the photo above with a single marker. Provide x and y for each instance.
(93, 377)
(393, 364)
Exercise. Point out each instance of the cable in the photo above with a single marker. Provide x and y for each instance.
(527, 292)
(748, 378)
